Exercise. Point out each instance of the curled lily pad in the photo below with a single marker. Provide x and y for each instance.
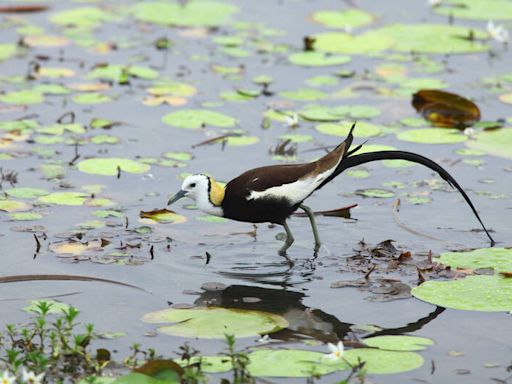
(162, 216)
(445, 109)
(494, 142)
(317, 59)
(45, 41)
(346, 19)
(432, 136)
(363, 129)
(110, 166)
(197, 118)
(215, 322)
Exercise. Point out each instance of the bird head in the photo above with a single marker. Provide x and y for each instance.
(204, 190)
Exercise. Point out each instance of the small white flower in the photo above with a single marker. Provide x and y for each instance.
(264, 339)
(497, 32)
(30, 377)
(434, 3)
(470, 132)
(7, 378)
(293, 120)
(336, 351)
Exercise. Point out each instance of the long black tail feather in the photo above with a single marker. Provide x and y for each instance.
(363, 158)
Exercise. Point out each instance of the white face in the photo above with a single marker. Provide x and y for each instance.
(198, 189)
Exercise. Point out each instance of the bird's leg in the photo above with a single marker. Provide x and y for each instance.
(288, 241)
(311, 216)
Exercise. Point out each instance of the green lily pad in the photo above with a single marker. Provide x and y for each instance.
(105, 139)
(7, 50)
(494, 142)
(498, 258)
(321, 113)
(109, 166)
(59, 129)
(317, 59)
(14, 206)
(140, 378)
(197, 118)
(22, 97)
(180, 156)
(304, 94)
(21, 125)
(424, 38)
(291, 363)
(26, 193)
(476, 293)
(25, 216)
(238, 141)
(190, 14)
(432, 136)
(345, 43)
(363, 129)
(384, 362)
(64, 198)
(319, 81)
(116, 71)
(103, 214)
(476, 9)
(399, 343)
(85, 17)
(210, 364)
(215, 322)
(375, 192)
(91, 98)
(346, 19)
(357, 173)
(173, 88)
(51, 89)
(212, 219)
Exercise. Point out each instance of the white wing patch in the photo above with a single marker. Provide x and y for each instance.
(294, 192)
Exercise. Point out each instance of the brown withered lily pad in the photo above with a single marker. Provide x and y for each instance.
(445, 109)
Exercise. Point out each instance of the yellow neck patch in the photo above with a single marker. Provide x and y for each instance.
(217, 192)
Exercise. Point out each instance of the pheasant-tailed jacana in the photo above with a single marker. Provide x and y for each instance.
(273, 193)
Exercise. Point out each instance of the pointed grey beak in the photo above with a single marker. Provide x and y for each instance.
(177, 196)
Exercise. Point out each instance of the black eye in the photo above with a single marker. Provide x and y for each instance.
(192, 185)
